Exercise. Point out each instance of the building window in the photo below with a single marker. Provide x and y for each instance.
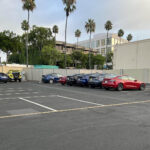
(93, 44)
(109, 41)
(103, 42)
(108, 49)
(97, 43)
(103, 51)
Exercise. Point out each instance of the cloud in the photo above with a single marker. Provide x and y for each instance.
(130, 15)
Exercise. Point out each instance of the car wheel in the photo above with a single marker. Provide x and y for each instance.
(51, 81)
(5, 82)
(93, 86)
(120, 87)
(100, 86)
(15, 80)
(142, 87)
(19, 80)
(106, 88)
(62, 83)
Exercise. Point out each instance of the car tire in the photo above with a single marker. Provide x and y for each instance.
(120, 87)
(93, 86)
(100, 87)
(106, 88)
(63, 84)
(15, 80)
(51, 81)
(142, 87)
(19, 80)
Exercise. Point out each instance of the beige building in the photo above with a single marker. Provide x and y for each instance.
(72, 47)
(134, 55)
(99, 42)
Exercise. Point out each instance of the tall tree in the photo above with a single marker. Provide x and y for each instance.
(28, 5)
(69, 8)
(120, 34)
(77, 35)
(108, 27)
(55, 30)
(25, 26)
(40, 37)
(90, 27)
(129, 37)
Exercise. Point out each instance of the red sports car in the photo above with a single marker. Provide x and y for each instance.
(122, 82)
(63, 80)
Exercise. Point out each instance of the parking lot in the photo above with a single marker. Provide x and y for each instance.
(37, 116)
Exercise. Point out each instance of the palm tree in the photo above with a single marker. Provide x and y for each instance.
(28, 5)
(129, 37)
(120, 34)
(108, 27)
(90, 27)
(55, 30)
(25, 26)
(77, 35)
(69, 8)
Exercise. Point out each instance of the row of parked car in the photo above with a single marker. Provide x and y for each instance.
(101, 80)
(12, 75)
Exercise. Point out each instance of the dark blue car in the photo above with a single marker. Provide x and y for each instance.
(83, 81)
(96, 80)
(3, 77)
(51, 78)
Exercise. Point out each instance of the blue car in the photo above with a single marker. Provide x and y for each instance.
(96, 80)
(83, 81)
(3, 77)
(51, 78)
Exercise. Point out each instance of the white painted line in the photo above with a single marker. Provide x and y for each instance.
(9, 98)
(1, 99)
(35, 92)
(8, 94)
(37, 104)
(74, 99)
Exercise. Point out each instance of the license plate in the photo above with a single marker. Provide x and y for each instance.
(106, 81)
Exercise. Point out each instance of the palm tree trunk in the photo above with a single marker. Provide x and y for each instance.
(55, 36)
(90, 53)
(66, 39)
(27, 55)
(106, 49)
(77, 41)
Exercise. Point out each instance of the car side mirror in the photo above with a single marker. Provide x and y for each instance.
(135, 80)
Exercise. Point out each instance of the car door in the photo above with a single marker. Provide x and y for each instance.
(126, 82)
(131, 82)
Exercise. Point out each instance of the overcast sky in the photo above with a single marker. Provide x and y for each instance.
(133, 16)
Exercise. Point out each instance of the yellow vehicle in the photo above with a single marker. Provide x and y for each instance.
(14, 75)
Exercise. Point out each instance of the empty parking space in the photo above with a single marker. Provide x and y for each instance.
(63, 117)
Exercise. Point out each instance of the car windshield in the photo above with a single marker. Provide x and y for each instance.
(110, 76)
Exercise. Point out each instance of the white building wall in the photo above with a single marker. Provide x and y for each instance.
(102, 47)
(3, 56)
(134, 55)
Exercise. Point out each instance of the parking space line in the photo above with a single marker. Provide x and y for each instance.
(37, 104)
(8, 98)
(82, 101)
(75, 109)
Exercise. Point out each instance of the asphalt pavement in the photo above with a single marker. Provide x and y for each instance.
(37, 116)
